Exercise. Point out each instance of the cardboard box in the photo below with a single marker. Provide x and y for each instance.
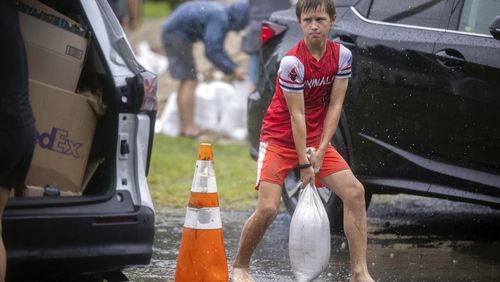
(55, 45)
(65, 124)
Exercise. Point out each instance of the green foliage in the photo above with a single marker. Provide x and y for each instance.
(156, 9)
(172, 169)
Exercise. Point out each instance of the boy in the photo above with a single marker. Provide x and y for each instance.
(305, 110)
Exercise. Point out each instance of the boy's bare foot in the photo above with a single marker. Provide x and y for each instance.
(241, 275)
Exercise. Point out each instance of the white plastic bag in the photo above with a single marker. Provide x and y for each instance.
(169, 123)
(234, 119)
(150, 60)
(309, 240)
(207, 111)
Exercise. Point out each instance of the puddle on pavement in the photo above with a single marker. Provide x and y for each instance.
(408, 241)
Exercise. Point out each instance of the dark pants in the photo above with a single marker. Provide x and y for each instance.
(16, 152)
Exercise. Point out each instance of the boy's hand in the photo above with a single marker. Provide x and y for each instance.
(317, 159)
(306, 176)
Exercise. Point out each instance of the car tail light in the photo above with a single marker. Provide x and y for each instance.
(150, 86)
(269, 30)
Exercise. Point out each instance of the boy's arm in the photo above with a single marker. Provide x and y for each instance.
(291, 82)
(332, 118)
(295, 103)
(337, 95)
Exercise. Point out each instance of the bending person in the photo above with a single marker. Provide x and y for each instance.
(208, 22)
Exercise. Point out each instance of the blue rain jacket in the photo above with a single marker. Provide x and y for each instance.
(209, 22)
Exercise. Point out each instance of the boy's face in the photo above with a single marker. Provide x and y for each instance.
(316, 25)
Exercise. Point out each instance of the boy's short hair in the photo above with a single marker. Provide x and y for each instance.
(312, 5)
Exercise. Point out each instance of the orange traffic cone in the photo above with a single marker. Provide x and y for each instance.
(202, 256)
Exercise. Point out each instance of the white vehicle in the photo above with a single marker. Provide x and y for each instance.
(109, 224)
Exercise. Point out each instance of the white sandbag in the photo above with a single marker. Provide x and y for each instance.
(207, 109)
(169, 123)
(223, 90)
(309, 239)
(234, 113)
(219, 106)
(150, 60)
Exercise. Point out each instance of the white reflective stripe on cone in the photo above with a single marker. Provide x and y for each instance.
(204, 178)
(204, 218)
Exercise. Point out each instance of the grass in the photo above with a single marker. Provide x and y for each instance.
(156, 9)
(172, 169)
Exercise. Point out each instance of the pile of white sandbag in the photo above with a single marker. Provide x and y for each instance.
(219, 106)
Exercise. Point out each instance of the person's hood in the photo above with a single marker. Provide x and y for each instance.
(238, 15)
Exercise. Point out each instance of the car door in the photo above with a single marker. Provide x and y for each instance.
(466, 133)
(392, 42)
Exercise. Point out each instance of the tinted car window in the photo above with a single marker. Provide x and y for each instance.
(411, 12)
(363, 7)
(477, 15)
(344, 3)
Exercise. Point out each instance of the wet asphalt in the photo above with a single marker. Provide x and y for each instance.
(409, 239)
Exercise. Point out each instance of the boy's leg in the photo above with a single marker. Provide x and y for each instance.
(255, 227)
(352, 193)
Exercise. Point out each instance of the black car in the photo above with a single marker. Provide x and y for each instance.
(422, 109)
(110, 224)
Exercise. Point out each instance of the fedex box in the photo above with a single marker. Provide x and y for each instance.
(65, 124)
(55, 45)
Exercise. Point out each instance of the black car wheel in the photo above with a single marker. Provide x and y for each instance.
(333, 203)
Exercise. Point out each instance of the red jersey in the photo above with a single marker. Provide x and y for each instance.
(299, 73)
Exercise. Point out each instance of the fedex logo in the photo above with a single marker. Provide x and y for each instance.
(57, 140)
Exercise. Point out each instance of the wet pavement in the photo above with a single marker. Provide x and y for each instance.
(410, 239)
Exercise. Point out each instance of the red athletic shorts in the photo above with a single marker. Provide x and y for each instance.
(275, 163)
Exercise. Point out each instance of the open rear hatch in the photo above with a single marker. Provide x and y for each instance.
(72, 94)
